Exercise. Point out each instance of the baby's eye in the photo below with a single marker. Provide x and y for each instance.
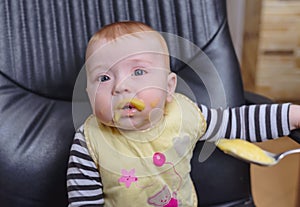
(103, 78)
(138, 72)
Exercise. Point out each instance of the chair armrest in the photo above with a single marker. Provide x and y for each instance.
(295, 135)
(254, 98)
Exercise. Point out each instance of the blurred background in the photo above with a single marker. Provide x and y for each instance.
(266, 37)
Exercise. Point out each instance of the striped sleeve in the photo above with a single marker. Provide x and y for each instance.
(254, 123)
(83, 179)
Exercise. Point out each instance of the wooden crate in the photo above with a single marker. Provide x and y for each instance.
(278, 63)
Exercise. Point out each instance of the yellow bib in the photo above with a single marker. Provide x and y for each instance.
(150, 167)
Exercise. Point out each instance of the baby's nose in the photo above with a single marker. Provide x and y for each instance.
(121, 86)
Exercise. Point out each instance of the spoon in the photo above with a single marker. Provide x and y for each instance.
(275, 157)
(251, 153)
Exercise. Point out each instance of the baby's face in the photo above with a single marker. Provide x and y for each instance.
(129, 82)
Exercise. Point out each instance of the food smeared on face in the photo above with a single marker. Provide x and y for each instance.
(130, 106)
(132, 103)
(154, 103)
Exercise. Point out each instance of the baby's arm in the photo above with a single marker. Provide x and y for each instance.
(254, 123)
(83, 180)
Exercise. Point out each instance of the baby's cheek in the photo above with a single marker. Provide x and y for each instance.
(153, 103)
(103, 112)
(155, 115)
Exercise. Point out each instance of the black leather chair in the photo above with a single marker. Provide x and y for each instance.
(42, 44)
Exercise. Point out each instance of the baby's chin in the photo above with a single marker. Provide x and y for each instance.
(109, 123)
(138, 123)
(134, 123)
(131, 127)
(131, 124)
(118, 124)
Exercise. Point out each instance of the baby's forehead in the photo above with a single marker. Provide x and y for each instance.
(126, 46)
(151, 61)
(130, 43)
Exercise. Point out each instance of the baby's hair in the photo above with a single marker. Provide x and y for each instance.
(117, 29)
(112, 31)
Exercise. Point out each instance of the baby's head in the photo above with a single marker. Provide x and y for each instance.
(128, 75)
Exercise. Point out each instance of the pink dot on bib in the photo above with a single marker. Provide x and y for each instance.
(159, 159)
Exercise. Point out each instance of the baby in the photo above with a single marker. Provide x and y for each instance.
(135, 149)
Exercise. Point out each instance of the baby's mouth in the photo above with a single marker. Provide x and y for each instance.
(133, 103)
(128, 107)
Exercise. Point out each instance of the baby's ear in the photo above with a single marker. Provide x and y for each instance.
(172, 82)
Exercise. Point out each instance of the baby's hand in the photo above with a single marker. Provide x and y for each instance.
(294, 117)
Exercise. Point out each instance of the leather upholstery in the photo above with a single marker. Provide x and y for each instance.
(42, 44)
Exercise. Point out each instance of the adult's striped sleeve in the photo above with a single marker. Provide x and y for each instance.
(83, 179)
(254, 123)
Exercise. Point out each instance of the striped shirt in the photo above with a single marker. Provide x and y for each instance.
(253, 123)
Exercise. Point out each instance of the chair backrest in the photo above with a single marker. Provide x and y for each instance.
(42, 44)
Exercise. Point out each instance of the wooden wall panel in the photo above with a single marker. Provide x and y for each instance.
(271, 55)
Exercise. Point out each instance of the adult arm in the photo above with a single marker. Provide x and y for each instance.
(254, 123)
(294, 117)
